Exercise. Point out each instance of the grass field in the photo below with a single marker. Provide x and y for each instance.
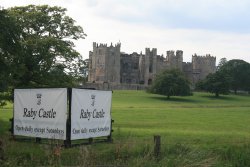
(199, 130)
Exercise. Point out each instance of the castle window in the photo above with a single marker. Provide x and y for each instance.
(135, 66)
(150, 69)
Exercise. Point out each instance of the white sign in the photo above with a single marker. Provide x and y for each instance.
(40, 113)
(90, 113)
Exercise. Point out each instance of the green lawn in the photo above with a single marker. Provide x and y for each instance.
(184, 118)
(198, 130)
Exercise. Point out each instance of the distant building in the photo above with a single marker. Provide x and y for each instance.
(107, 64)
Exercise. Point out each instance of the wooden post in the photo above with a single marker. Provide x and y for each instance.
(12, 128)
(90, 140)
(1, 151)
(109, 139)
(38, 140)
(67, 142)
(157, 146)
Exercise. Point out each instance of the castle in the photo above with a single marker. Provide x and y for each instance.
(107, 64)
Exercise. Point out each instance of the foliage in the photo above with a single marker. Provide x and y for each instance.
(83, 71)
(171, 83)
(231, 75)
(217, 83)
(239, 73)
(222, 62)
(46, 43)
(9, 46)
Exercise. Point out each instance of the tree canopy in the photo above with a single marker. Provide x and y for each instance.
(9, 46)
(239, 73)
(231, 75)
(217, 83)
(222, 62)
(37, 47)
(171, 83)
(46, 43)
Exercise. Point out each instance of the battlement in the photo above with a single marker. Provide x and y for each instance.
(152, 52)
(179, 53)
(101, 45)
(148, 50)
(207, 56)
(174, 56)
(170, 53)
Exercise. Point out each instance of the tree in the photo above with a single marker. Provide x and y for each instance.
(46, 45)
(222, 62)
(217, 83)
(84, 71)
(9, 46)
(239, 73)
(171, 83)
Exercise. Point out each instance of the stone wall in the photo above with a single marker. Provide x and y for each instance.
(114, 86)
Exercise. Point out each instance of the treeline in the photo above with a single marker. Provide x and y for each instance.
(37, 49)
(233, 75)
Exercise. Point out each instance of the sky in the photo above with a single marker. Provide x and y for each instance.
(217, 27)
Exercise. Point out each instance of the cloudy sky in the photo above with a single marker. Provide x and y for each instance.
(217, 27)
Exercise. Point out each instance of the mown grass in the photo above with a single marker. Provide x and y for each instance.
(198, 130)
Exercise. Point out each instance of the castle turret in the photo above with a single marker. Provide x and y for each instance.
(179, 59)
(150, 65)
(104, 63)
(202, 66)
(175, 61)
(146, 68)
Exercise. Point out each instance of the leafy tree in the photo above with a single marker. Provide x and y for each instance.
(9, 46)
(239, 73)
(83, 71)
(217, 83)
(171, 83)
(46, 47)
(222, 62)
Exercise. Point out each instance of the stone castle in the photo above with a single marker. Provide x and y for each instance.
(107, 64)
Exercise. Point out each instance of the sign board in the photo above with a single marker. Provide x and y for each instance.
(90, 113)
(40, 113)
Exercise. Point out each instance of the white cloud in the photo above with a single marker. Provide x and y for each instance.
(134, 24)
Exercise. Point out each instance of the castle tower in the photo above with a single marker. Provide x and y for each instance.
(179, 59)
(141, 68)
(175, 61)
(202, 66)
(104, 63)
(150, 65)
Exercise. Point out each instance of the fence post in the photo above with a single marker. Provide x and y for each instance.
(38, 140)
(67, 142)
(11, 126)
(157, 146)
(90, 140)
(109, 139)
